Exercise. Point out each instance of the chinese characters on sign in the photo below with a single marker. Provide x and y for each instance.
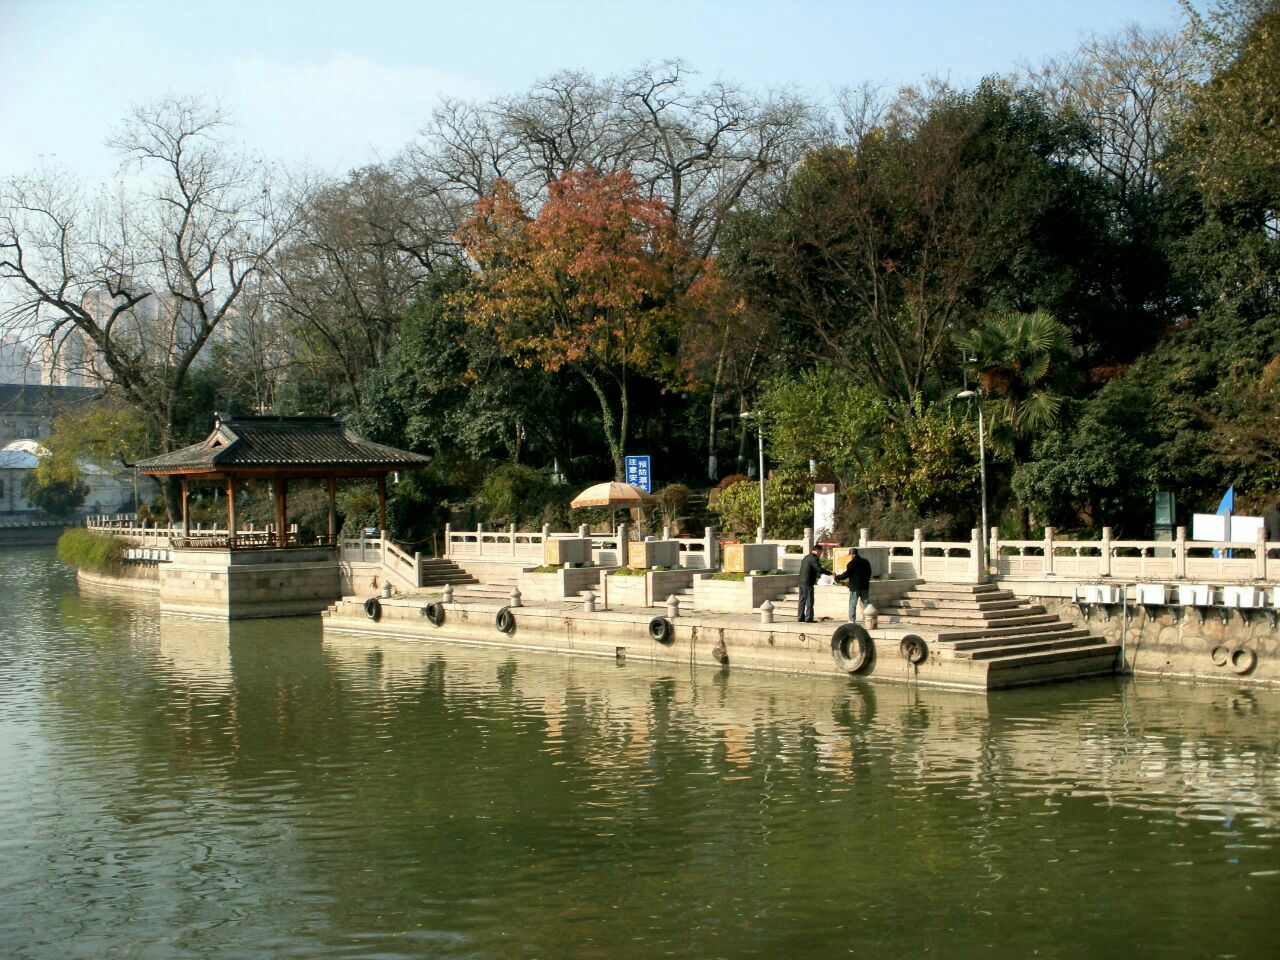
(638, 474)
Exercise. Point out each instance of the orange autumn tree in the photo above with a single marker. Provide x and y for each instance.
(598, 281)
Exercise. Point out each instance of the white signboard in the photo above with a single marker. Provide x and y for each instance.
(1220, 527)
(824, 509)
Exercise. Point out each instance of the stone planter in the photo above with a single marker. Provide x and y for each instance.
(557, 551)
(878, 557)
(645, 554)
(739, 596)
(650, 590)
(745, 557)
(565, 582)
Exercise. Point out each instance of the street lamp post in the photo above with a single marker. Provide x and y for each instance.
(747, 415)
(982, 472)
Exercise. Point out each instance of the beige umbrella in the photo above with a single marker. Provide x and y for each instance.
(611, 494)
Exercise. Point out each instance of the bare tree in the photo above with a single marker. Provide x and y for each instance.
(1129, 89)
(134, 281)
(702, 150)
(363, 249)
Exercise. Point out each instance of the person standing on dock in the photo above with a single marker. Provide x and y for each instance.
(857, 575)
(810, 571)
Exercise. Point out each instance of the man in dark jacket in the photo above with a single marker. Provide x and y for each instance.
(857, 575)
(810, 571)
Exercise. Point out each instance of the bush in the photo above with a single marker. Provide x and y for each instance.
(788, 505)
(86, 550)
(54, 498)
(514, 493)
(670, 504)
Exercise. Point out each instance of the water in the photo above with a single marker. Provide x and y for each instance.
(177, 789)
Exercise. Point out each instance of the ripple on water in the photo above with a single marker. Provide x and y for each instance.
(250, 790)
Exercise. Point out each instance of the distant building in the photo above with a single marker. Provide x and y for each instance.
(16, 363)
(27, 411)
(109, 491)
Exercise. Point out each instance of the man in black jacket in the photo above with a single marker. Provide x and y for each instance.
(810, 571)
(858, 576)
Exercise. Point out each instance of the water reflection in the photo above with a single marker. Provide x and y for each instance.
(188, 788)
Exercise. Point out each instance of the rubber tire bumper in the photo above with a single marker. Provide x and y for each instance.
(851, 647)
(660, 629)
(505, 620)
(914, 650)
(373, 609)
(434, 612)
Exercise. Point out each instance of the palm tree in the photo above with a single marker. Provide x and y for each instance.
(1020, 361)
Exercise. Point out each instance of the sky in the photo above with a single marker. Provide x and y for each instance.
(328, 86)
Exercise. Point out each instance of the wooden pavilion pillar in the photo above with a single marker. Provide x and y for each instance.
(282, 511)
(186, 512)
(382, 503)
(333, 510)
(231, 511)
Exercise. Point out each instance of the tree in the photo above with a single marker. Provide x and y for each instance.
(1229, 140)
(54, 497)
(788, 504)
(877, 251)
(1128, 89)
(598, 283)
(132, 285)
(364, 249)
(702, 151)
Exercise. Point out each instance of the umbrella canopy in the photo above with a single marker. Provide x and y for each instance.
(611, 494)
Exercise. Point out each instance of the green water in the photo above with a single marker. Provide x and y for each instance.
(178, 789)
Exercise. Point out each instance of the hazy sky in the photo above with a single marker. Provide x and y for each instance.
(334, 85)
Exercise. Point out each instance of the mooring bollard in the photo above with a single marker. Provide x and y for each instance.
(447, 595)
(870, 616)
(386, 588)
(515, 596)
(766, 612)
(673, 607)
(589, 602)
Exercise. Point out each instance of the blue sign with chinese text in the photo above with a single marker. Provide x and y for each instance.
(638, 474)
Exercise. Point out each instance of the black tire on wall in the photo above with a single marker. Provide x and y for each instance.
(852, 648)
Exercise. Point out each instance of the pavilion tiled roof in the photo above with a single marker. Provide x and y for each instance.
(284, 443)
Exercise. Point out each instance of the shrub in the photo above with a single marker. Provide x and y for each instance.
(788, 504)
(86, 550)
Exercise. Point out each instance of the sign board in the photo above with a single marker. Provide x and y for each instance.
(824, 509)
(638, 474)
(1164, 508)
(1225, 528)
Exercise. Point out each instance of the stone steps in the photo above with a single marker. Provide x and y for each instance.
(939, 620)
(1018, 642)
(438, 572)
(913, 602)
(1047, 631)
(1097, 651)
(1017, 648)
(1045, 625)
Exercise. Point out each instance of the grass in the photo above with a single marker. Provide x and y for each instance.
(95, 552)
(629, 572)
(729, 576)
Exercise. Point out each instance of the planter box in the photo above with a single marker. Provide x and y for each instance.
(745, 557)
(1195, 594)
(554, 587)
(739, 596)
(557, 551)
(627, 591)
(878, 557)
(1101, 593)
(1248, 597)
(1153, 594)
(645, 554)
